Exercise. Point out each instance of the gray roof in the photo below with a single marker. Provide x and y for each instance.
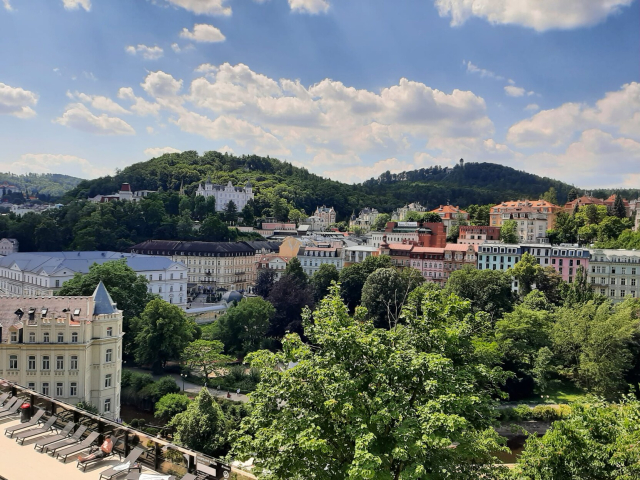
(53, 263)
(172, 247)
(232, 296)
(103, 304)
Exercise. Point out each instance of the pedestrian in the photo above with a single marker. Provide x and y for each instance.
(238, 392)
(228, 394)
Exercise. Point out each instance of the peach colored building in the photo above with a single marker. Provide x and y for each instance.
(450, 215)
(534, 218)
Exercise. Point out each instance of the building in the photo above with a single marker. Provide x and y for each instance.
(450, 215)
(457, 256)
(565, 259)
(534, 218)
(615, 273)
(423, 234)
(30, 207)
(8, 246)
(126, 194)
(477, 235)
(69, 348)
(365, 219)
(44, 273)
(582, 201)
(211, 265)
(313, 257)
(400, 214)
(261, 248)
(225, 194)
(357, 254)
(324, 216)
(273, 262)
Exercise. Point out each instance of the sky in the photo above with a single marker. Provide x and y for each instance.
(346, 88)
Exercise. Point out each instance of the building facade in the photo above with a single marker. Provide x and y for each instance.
(8, 246)
(358, 254)
(210, 265)
(313, 257)
(69, 348)
(477, 235)
(226, 193)
(126, 194)
(365, 219)
(424, 234)
(399, 214)
(615, 273)
(450, 215)
(44, 273)
(565, 259)
(457, 256)
(524, 209)
(499, 257)
(276, 263)
(326, 216)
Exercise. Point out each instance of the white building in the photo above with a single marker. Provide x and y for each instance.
(365, 219)
(313, 257)
(9, 245)
(322, 218)
(615, 273)
(400, 213)
(126, 194)
(43, 273)
(69, 348)
(357, 254)
(225, 194)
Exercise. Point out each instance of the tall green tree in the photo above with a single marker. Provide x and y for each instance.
(373, 403)
(551, 196)
(294, 270)
(618, 207)
(204, 356)
(265, 281)
(128, 290)
(170, 405)
(289, 296)
(509, 231)
(353, 277)
(488, 290)
(526, 271)
(381, 222)
(321, 280)
(572, 195)
(163, 332)
(231, 212)
(201, 426)
(243, 328)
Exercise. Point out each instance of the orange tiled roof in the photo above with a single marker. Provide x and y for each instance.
(460, 247)
(528, 204)
(428, 250)
(448, 209)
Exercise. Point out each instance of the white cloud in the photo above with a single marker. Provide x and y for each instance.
(7, 5)
(203, 32)
(176, 48)
(206, 68)
(532, 107)
(360, 173)
(55, 163)
(17, 101)
(513, 91)
(90, 76)
(309, 6)
(226, 149)
(204, 7)
(77, 116)
(99, 103)
(140, 106)
(471, 68)
(148, 53)
(75, 4)
(159, 151)
(540, 15)
(150, 130)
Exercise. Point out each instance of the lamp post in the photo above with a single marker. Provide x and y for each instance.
(183, 375)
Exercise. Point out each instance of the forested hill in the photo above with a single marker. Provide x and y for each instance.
(473, 183)
(50, 184)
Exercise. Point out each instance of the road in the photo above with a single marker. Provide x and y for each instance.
(193, 388)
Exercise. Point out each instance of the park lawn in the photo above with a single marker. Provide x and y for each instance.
(561, 393)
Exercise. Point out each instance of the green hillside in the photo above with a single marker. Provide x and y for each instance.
(49, 184)
(475, 183)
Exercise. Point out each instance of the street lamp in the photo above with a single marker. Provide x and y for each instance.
(183, 375)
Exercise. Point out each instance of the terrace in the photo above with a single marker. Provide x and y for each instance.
(160, 456)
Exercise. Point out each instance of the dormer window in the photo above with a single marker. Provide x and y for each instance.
(44, 312)
(76, 312)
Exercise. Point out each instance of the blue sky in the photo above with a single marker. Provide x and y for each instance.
(346, 88)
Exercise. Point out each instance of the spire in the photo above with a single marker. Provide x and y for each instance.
(103, 304)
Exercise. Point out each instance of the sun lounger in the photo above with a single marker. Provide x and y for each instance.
(35, 420)
(154, 475)
(78, 447)
(4, 397)
(97, 457)
(64, 433)
(75, 438)
(12, 410)
(20, 437)
(128, 464)
(12, 401)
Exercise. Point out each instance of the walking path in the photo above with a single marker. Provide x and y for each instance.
(193, 388)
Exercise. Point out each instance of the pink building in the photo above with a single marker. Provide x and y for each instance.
(565, 259)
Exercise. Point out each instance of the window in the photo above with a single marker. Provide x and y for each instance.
(622, 293)
(45, 388)
(109, 331)
(13, 362)
(59, 362)
(59, 390)
(570, 279)
(160, 277)
(45, 362)
(60, 337)
(633, 271)
(107, 380)
(623, 281)
(45, 337)
(14, 337)
(73, 365)
(107, 405)
(73, 389)
(74, 337)
(624, 271)
(108, 358)
(31, 362)
(612, 293)
(602, 291)
(31, 386)
(613, 281)
(613, 269)
(633, 282)
(32, 337)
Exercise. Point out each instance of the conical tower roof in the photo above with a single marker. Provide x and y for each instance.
(104, 305)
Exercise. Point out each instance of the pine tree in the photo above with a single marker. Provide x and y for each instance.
(618, 207)
(572, 195)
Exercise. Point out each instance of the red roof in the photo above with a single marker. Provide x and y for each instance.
(401, 246)
(125, 187)
(460, 247)
(428, 250)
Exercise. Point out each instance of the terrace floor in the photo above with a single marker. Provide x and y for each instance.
(22, 462)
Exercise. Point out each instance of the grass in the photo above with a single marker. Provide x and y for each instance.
(564, 392)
